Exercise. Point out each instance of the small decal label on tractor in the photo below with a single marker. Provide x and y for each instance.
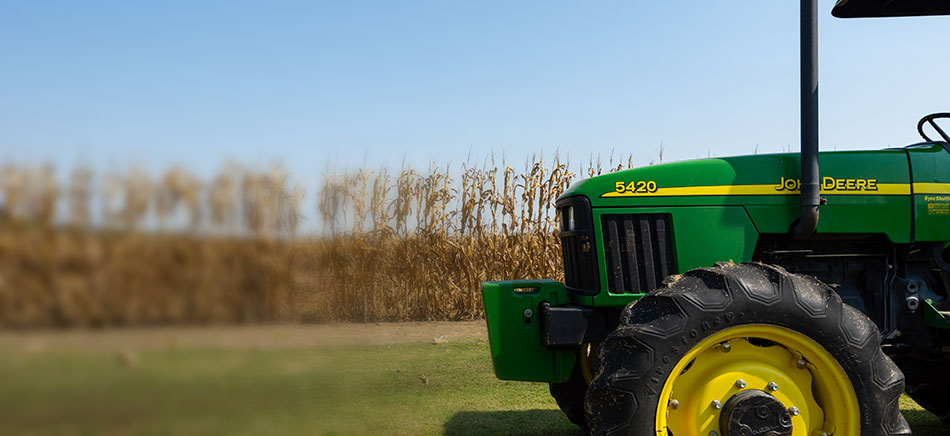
(937, 204)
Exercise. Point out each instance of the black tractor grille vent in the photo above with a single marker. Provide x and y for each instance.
(580, 273)
(578, 246)
(638, 250)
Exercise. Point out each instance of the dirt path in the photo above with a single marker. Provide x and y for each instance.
(256, 337)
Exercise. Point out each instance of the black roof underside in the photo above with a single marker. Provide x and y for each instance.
(890, 8)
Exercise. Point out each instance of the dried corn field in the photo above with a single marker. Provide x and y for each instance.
(135, 249)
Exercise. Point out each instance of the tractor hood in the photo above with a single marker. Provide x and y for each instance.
(771, 179)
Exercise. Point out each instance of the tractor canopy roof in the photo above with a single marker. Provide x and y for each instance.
(890, 8)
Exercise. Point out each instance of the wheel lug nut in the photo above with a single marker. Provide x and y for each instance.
(713, 433)
(793, 411)
(800, 364)
(740, 384)
(725, 347)
(716, 404)
(674, 404)
(772, 387)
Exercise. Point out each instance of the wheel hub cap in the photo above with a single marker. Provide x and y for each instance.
(755, 413)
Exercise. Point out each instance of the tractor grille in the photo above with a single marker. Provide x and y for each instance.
(578, 247)
(638, 250)
(580, 273)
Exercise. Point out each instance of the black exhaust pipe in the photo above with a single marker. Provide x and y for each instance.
(811, 190)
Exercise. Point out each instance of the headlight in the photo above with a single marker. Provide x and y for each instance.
(568, 219)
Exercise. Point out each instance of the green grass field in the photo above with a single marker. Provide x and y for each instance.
(402, 388)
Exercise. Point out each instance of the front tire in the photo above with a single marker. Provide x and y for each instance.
(683, 352)
(569, 395)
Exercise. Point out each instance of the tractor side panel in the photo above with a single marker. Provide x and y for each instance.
(885, 208)
(930, 166)
(867, 192)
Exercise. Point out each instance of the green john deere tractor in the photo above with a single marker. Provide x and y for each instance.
(708, 298)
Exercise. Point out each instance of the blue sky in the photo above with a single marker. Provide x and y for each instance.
(316, 84)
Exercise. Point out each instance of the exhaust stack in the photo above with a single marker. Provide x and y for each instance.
(810, 191)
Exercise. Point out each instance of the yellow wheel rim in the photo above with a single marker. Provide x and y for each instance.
(586, 357)
(806, 375)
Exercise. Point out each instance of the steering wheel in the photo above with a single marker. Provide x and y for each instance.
(930, 119)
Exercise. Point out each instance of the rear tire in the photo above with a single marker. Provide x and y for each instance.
(682, 325)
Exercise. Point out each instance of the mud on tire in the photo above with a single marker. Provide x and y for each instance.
(656, 332)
